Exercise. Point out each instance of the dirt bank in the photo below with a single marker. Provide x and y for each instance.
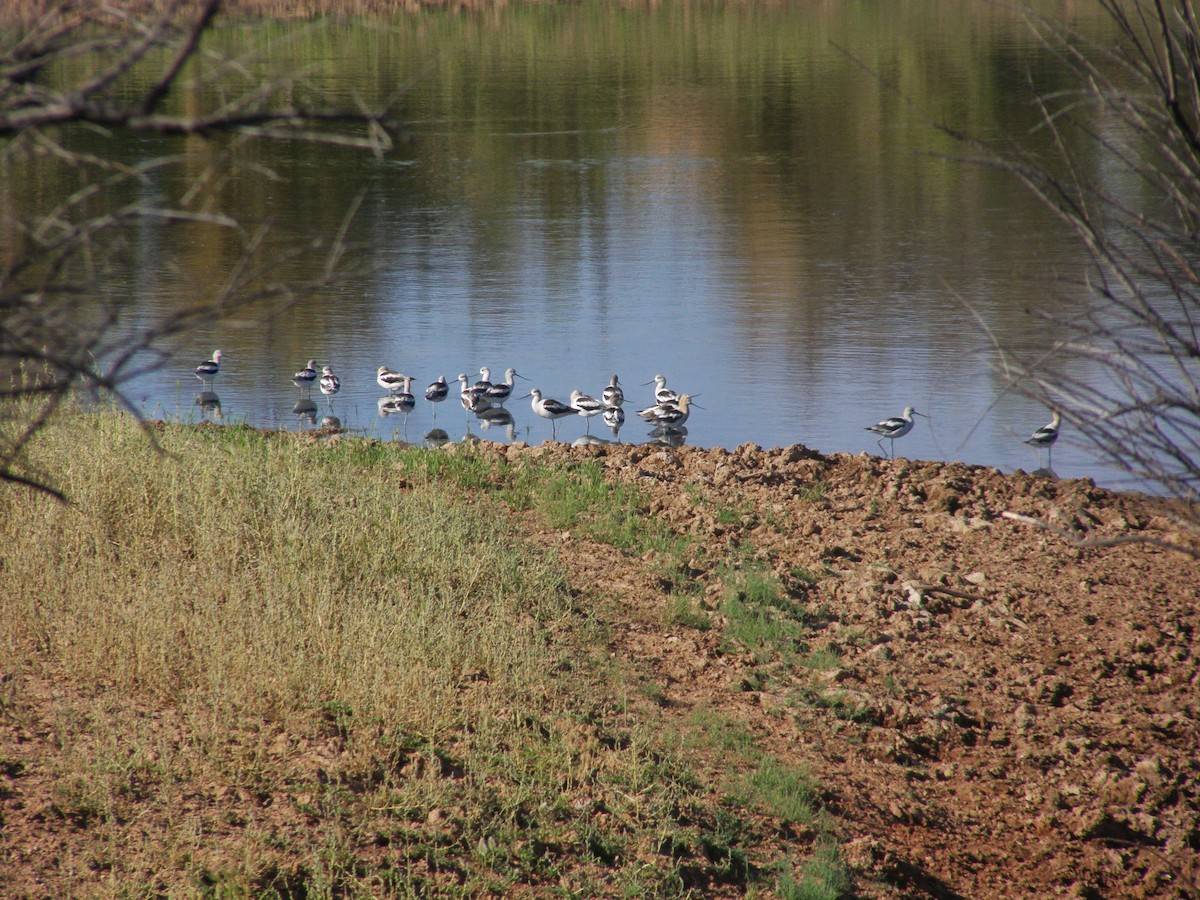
(1010, 713)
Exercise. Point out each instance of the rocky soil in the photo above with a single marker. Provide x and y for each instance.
(1015, 709)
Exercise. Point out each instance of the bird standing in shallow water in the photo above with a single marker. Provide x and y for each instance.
(670, 415)
(549, 408)
(662, 394)
(306, 377)
(208, 369)
(497, 393)
(330, 383)
(613, 395)
(895, 427)
(389, 379)
(586, 406)
(473, 399)
(1046, 436)
(437, 392)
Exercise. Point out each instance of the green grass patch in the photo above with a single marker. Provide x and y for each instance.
(580, 497)
(811, 492)
(686, 610)
(759, 614)
(785, 792)
(823, 876)
(340, 633)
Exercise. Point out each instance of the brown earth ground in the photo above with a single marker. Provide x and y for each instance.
(1011, 713)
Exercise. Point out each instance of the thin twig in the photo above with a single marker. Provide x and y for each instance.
(1095, 543)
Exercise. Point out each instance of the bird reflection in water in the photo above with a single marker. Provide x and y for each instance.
(589, 440)
(437, 437)
(389, 406)
(331, 423)
(210, 405)
(614, 418)
(499, 418)
(305, 412)
(669, 437)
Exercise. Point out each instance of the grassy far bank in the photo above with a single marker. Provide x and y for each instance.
(284, 667)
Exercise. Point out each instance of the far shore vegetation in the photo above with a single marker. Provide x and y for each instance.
(284, 666)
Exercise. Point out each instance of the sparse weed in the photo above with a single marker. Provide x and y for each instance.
(787, 793)
(810, 492)
(759, 615)
(822, 659)
(824, 876)
(686, 611)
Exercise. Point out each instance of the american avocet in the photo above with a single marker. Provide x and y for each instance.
(484, 382)
(472, 399)
(389, 379)
(614, 418)
(895, 427)
(498, 393)
(586, 405)
(208, 369)
(438, 391)
(613, 395)
(549, 408)
(661, 393)
(669, 415)
(1046, 436)
(305, 378)
(330, 383)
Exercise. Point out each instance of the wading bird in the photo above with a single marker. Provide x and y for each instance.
(330, 383)
(613, 395)
(208, 369)
(1046, 436)
(305, 378)
(549, 408)
(497, 393)
(437, 392)
(586, 406)
(389, 379)
(895, 427)
(670, 415)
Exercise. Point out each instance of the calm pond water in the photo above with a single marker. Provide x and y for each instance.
(722, 194)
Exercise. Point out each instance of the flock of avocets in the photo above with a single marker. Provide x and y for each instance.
(668, 413)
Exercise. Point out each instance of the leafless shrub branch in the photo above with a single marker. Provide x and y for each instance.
(1127, 374)
(58, 329)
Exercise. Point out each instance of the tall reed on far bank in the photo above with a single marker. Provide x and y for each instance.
(259, 574)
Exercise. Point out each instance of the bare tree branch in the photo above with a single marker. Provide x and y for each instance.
(53, 341)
